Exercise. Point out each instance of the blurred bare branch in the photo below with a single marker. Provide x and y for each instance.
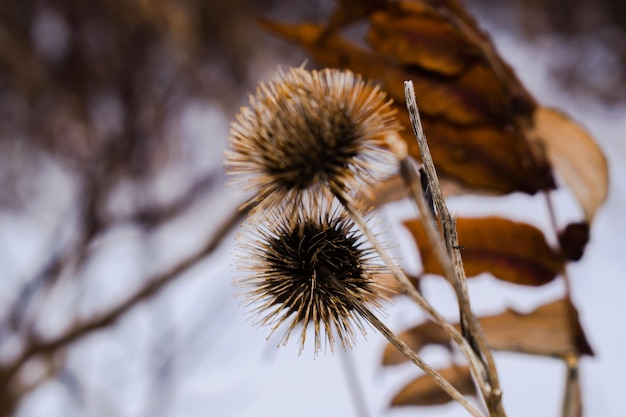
(99, 91)
(37, 347)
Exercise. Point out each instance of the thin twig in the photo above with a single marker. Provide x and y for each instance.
(355, 388)
(22, 315)
(474, 361)
(572, 399)
(404, 349)
(152, 217)
(452, 263)
(555, 229)
(409, 354)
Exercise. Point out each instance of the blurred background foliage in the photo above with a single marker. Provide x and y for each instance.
(587, 41)
(107, 118)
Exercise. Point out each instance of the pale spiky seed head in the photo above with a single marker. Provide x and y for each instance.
(308, 132)
(311, 269)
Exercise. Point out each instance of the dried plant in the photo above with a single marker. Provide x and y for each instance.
(307, 132)
(310, 267)
(100, 91)
(306, 261)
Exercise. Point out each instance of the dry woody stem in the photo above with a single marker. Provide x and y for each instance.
(450, 260)
(406, 351)
(572, 397)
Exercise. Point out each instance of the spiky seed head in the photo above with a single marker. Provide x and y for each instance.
(310, 269)
(306, 132)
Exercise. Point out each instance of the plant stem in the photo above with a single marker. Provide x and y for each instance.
(353, 384)
(572, 398)
(451, 261)
(365, 313)
(477, 366)
(406, 351)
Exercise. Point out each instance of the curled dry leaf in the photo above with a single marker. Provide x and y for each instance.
(511, 251)
(551, 330)
(424, 391)
(576, 156)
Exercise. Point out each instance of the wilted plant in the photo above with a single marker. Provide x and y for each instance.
(311, 140)
(307, 133)
(311, 266)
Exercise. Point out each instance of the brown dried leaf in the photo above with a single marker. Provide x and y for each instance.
(334, 51)
(420, 38)
(511, 251)
(424, 391)
(474, 97)
(349, 11)
(551, 330)
(443, 45)
(480, 157)
(574, 155)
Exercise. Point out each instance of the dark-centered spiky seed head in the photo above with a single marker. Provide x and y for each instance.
(306, 132)
(311, 269)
